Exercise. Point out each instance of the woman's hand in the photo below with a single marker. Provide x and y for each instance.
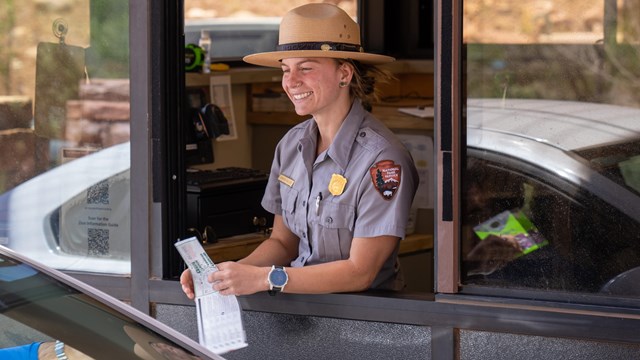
(47, 351)
(233, 278)
(187, 284)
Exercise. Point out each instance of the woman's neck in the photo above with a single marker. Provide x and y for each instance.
(329, 124)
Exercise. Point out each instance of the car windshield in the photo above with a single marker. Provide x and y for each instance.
(35, 307)
(618, 162)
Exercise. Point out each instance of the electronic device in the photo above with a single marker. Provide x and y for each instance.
(203, 123)
(200, 180)
(228, 200)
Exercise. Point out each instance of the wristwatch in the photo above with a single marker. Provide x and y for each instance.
(277, 279)
(59, 348)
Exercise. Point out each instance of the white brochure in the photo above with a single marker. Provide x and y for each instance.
(220, 93)
(219, 316)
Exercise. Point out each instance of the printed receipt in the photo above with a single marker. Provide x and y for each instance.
(219, 316)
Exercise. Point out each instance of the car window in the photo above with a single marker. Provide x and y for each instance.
(534, 230)
(619, 162)
(35, 307)
(74, 217)
(95, 222)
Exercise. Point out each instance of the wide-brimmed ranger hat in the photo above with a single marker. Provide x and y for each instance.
(317, 30)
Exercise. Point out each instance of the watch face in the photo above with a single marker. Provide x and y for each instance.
(278, 277)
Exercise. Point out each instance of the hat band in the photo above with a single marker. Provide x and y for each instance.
(322, 46)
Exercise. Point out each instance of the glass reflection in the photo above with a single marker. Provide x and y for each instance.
(550, 189)
(64, 97)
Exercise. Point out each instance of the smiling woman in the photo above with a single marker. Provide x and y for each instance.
(341, 183)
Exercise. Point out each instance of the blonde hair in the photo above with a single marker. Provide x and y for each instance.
(364, 80)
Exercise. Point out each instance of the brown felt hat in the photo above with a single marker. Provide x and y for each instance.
(317, 30)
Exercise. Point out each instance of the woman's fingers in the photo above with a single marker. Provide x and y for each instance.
(186, 280)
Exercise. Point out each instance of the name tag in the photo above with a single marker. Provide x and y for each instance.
(286, 180)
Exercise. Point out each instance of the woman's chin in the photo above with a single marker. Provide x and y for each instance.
(302, 112)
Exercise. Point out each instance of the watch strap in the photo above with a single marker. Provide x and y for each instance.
(59, 348)
(274, 289)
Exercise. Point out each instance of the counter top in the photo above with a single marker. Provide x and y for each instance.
(237, 247)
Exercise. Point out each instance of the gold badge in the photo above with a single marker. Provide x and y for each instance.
(337, 184)
(286, 180)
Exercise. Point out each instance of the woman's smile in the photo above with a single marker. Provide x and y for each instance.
(312, 84)
(301, 95)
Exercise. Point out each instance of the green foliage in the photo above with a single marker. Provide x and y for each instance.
(108, 56)
(581, 72)
(7, 22)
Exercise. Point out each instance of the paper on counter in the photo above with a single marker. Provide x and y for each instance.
(419, 111)
(219, 316)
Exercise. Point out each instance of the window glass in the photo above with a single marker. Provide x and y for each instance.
(241, 27)
(563, 238)
(40, 307)
(64, 133)
(551, 191)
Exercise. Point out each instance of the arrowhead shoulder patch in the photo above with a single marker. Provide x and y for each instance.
(386, 176)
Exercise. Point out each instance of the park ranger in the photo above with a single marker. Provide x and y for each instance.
(341, 184)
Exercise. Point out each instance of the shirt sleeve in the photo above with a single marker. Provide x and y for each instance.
(384, 205)
(285, 152)
(22, 352)
(272, 200)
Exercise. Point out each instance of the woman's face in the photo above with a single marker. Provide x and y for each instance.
(312, 84)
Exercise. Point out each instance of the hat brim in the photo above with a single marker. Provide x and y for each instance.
(273, 58)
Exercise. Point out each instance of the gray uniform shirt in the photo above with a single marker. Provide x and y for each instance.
(361, 186)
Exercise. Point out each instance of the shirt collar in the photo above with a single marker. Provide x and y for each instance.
(340, 149)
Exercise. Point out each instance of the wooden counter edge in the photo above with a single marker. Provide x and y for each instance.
(237, 247)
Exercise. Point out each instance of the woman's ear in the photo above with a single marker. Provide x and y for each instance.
(346, 72)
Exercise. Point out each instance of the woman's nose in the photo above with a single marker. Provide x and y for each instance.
(293, 81)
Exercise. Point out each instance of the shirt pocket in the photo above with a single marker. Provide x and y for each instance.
(335, 225)
(289, 199)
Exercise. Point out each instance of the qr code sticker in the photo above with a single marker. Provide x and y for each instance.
(98, 193)
(98, 242)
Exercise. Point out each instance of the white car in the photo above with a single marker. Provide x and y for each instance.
(574, 169)
(75, 216)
